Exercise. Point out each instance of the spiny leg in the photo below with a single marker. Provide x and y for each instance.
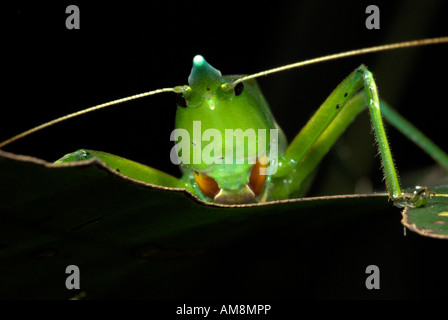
(356, 92)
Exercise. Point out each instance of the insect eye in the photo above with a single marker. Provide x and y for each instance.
(180, 100)
(239, 88)
(208, 186)
(257, 180)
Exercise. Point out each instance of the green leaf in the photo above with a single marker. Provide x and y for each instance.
(131, 239)
(125, 233)
(430, 220)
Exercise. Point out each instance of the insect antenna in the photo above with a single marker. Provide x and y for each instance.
(393, 46)
(91, 109)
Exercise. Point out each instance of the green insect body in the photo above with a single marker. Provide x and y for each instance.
(232, 150)
(209, 100)
(222, 103)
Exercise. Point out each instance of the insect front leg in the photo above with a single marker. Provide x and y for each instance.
(308, 148)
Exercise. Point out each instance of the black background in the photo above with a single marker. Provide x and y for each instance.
(124, 49)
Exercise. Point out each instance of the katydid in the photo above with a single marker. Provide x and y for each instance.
(267, 169)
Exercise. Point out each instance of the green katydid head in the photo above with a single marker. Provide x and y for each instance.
(220, 127)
